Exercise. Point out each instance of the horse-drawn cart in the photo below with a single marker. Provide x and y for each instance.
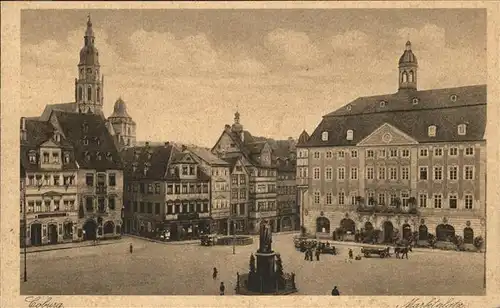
(382, 252)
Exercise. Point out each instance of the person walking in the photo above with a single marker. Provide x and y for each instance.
(310, 254)
(306, 255)
(131, 248)
(222, 288)
(317, 254)
(214, 275)
(335, 291)
(350, 254)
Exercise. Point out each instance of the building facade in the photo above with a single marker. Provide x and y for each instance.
(74, 179)
(409, 161)
(240, 200)
(286, 198)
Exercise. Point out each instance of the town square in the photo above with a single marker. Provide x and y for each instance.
(169, 156)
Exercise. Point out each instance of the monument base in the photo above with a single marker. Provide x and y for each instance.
(243, 288)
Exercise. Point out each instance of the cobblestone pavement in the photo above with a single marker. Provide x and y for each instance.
(159, 269)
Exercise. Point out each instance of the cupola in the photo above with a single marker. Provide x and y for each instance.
(408, 69)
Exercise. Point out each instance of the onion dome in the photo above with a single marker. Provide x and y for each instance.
(237, 127)
(89, 54)
(120, 109)
(408, 56)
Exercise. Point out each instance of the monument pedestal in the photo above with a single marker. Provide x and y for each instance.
(265, 271)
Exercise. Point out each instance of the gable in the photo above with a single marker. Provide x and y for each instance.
(49, 144)
(387, 135)
(225, 144)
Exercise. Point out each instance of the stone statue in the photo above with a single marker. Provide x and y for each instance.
(265, 237)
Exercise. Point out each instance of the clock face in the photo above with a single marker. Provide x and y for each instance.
(387, 138)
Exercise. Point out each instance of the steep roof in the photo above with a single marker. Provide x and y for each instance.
(434, 107)
(207, 156)
(158, 162)
(286, 165)
(304, 136)
(99, 140)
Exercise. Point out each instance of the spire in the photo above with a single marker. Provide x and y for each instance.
(237, 118)
(408, 67)
(89, 33)
(408, 45)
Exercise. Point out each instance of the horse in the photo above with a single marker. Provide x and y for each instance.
(403, 251)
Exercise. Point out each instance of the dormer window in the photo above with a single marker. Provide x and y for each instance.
(462, 129)
(383, 103)
(57, 137)
(324, 136)
(97, 140)
(32, 157)
(85, 128)
(453, 97)
(109, 156)
(87, 155)
(134, 167)
(172, 171)
(349, 107)
(350, 134)
(85, 141)
(66, 157)
(99, 156)
(146, 168)
(431, 131)
(415, 101)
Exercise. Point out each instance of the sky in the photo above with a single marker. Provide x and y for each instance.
(184, 72)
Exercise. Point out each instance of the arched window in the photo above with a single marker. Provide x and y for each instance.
(404, 77)
(89, 93)
(80, 93)
(348, 225)
(422, 233)
(445, 233)
(109, 227)
(468, 235)
(98, 94)
(411, 76)
(350, 134)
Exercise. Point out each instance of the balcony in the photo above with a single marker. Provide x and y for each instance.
(386, 210)
(262, 214)
(187, 216)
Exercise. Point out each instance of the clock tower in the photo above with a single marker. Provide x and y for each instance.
(89, 84)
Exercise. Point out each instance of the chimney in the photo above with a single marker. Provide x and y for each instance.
(23, 129)
(167, 144)
(147, 143)
(227, 128)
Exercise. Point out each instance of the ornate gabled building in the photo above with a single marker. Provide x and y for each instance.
(89, 95)
(414, 160)
(256, 156)
(73, 179)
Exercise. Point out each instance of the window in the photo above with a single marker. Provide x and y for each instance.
(85, 141)
(405, 153)
(170, 189)
(353, 198)
(234, 179)
(369, 154)
(243, 193)
(381, 199)
(157, 208)
(354, 153)
(234, 193)
(89, 204)
(45, 157)
(341, 198)
(462, 129)
(453, 173)
(142, 188)
(422, 200)
(324, 136)
(170, 209)
(89, 179)
(453, 151)
(89, 93)
(354, 173)
(438, 173)
(329, 198)
(438, 199)
(242, 179)
(150, 188)
(350, 134)
(424, 153)
(32, 157)
(393, 173)
(328, 173)
(404, 199)
(452, 201)
(381, 153)
(340, 154)
(438, 152)
(369, 173)
(394, 153)
(111, 203)
(316, 173)
(469, 151)
(405, 173)
(66, 158)
(414, 100)
(316, 155)
(392, 198)
(468, 201)
(383, 103)
(55, 157)
(57, 180)
(329, 154)
(381, 173)
(316, 197)
(453, 97)
(341, 173)
(468, 172)
(431, 131)
(423, 173)
(112, 179)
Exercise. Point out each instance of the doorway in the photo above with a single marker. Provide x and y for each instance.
(52, 234)
(36, 234)
(90, 228)
(388, 232)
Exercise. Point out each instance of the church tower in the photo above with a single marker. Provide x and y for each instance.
(89, 84)
(408, 69)
(123, 125)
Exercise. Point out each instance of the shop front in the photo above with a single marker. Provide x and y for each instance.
(188, 227)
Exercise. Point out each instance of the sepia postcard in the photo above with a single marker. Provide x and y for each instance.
(247, 154)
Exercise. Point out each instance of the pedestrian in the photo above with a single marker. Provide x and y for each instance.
(131, 248)
(310, 254)
(335, 291)
(214, 275)
(317, 254)
(350, 254)
(306, 255)
(222, 288)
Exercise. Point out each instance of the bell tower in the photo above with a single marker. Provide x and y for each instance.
(89, 84)
(408, 69)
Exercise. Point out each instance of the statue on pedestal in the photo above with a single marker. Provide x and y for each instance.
(265, 237)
